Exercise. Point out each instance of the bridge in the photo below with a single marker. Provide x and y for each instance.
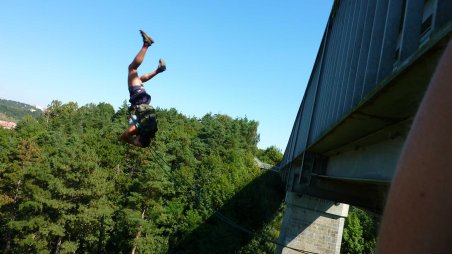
(373, 66)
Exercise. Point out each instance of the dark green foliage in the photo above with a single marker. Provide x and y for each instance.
(360, 232)
(67, 185)
(272, 155)
(246, 210)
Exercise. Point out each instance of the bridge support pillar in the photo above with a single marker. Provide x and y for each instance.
(311, 224)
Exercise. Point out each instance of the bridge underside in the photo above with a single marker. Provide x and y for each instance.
(355, 160)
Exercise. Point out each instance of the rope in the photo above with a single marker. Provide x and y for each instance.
(219, 215)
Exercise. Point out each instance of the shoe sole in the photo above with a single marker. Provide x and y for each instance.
(162, 63)
(146, 38)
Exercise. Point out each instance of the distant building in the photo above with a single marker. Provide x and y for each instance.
(7, 125)
(40, 108)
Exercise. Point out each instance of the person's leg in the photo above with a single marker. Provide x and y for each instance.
(133, 79)
(160, 68)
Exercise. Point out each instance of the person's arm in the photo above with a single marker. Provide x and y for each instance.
(418, 212)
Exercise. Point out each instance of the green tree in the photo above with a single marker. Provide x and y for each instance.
(360, 232)
(271, 155)
(68, 185)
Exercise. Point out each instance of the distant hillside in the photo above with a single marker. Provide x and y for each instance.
(13, 111)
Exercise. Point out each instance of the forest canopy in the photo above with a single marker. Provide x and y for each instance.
(67, 185)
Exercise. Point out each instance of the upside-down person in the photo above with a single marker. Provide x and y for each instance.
(142, 118)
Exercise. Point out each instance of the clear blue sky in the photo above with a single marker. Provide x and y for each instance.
(241, 58)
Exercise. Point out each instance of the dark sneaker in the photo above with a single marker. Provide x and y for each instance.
(146, 38)
(162, 65)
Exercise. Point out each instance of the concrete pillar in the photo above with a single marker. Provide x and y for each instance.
(311, 224)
